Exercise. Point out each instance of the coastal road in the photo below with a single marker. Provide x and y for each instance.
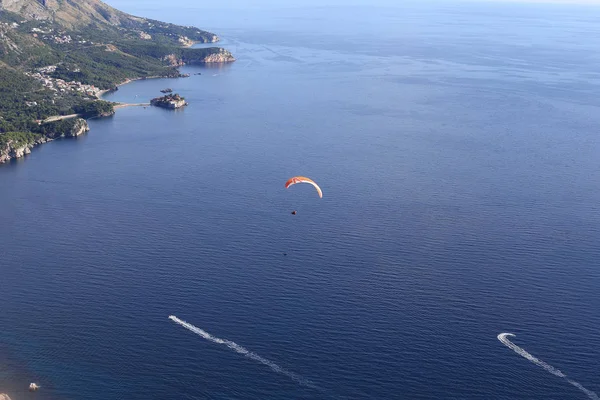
(59, 117)
(122, 105)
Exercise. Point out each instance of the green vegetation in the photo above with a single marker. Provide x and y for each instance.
(193, 56)
(58, 128)
(168, 31)
(24, 101)
(171, 101)
(105, 69)
(99, 54)
(17, 138)
(94, 108)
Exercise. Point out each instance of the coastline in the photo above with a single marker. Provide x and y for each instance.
(190, 43)
(125, 82)
(26, 149)
(10, 152)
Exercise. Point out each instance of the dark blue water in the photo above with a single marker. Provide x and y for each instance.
(457, 147)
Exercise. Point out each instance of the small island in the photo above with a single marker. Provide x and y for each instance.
(170, 101)
(167, 90)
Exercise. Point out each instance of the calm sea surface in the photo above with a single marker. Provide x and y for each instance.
(458, 149)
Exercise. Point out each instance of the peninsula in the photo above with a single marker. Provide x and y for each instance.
(58, 57)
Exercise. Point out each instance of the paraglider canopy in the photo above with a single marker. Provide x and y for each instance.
(303, 179)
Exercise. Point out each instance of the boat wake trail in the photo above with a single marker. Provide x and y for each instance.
(503, 337)
(241, 350)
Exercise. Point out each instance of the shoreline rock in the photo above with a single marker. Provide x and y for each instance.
(14, 151)
(190, 43)
(223, 56)
(216, 55)
(81, 127)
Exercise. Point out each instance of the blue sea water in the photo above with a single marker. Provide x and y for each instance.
(458, 149)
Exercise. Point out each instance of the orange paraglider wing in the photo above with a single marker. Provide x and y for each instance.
(303, 179)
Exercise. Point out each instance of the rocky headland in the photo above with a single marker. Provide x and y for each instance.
(221, 56)
(14, 145)
(18, 145)
(73, 128)
(211, 55)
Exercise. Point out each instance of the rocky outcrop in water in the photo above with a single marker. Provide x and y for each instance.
(170, 101)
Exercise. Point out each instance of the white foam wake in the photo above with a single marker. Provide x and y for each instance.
(503, 337)
(242, 350)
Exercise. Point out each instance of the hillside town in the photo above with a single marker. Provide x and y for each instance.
(60, 85)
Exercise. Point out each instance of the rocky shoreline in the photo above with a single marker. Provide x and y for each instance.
(220, 56)
(11, 150)
(14, 148)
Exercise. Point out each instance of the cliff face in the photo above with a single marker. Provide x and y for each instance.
(223, 56)
(81, 126)
(173, 60)
(206, 56)
(68, 128)
(17, 145)
(14, 149)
